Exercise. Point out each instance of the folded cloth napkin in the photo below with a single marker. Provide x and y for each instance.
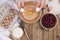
(2, 2)
(55, 7)
(4, 38)
(4, 32)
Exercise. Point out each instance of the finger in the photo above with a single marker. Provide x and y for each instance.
(18, 3)
(42, 4)
(22, 4)
(38, 4)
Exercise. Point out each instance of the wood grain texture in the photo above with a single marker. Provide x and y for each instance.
(36, 32)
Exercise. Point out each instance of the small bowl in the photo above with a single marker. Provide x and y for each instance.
(19, 31)
(51, 27)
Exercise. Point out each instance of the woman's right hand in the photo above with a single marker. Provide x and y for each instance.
(20, 3)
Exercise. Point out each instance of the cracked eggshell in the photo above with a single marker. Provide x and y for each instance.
(38, 9)
(22, 10)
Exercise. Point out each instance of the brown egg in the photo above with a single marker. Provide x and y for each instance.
(4, 21)
(11, 11)
(6, 24)
(10, 17)
(8, 20)
(2, 24)
(6, 27)
(13, 16)
(6, 17)
(11, 20)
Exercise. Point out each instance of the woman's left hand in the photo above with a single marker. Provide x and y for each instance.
(40, 3)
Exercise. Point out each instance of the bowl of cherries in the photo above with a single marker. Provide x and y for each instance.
(49, 21)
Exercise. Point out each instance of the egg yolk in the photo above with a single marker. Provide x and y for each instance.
(30, 12)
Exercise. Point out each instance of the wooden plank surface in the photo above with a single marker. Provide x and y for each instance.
(35, 32)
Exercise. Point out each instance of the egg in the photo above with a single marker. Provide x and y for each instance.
(10, 20)
(13, 16)
(2, 24)
(6, 24)
(7, 18)
(22, 10)
(4, 21)
(10, 17)
(30, 11)
(37, 9)
(6, 27)
(11, 11)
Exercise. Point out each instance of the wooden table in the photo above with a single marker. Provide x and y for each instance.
(36, 32)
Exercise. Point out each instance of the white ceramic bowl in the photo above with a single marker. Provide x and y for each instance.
(17, 32)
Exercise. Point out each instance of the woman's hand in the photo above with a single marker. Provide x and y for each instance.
(40, 3)
(20, 3)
